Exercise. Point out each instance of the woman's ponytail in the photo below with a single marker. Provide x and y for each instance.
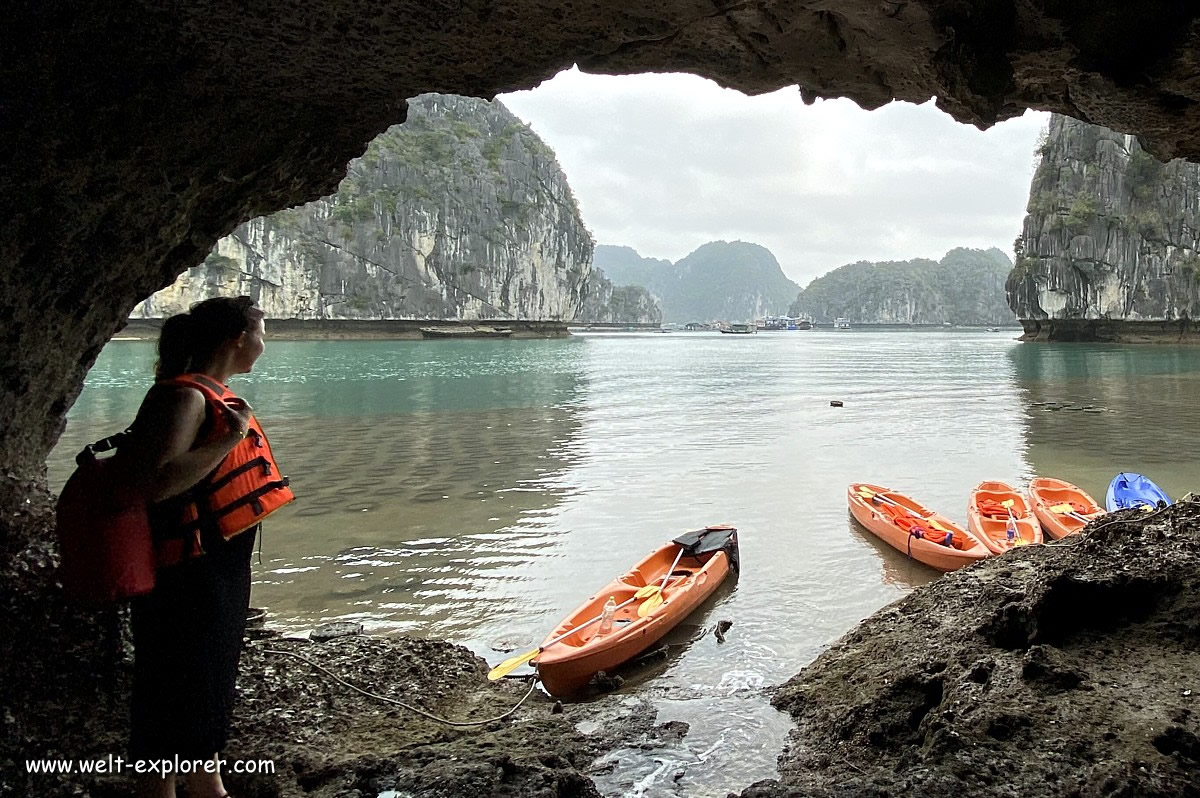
(174, 347)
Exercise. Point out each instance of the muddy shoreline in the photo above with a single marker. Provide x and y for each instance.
(1070, 669)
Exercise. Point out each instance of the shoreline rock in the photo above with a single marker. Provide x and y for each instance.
(1067, 669)
(1111, 331)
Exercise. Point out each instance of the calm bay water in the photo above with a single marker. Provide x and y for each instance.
(478, 490)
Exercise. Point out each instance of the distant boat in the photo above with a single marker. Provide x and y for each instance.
(782, 323)
(739, 329)
(461, 331)
(841, 324)
(993, 329)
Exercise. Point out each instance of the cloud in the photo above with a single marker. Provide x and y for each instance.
(666, 162)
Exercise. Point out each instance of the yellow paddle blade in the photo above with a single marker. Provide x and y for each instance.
(1062, 508)
(1020, 542)
(866, 493)
(647, 591)
(511, 664)
(938, 526)
(1147, 508)
(1007, 503)
(650, 605)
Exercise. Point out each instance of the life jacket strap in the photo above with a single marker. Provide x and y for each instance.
(215, 485)
(103, 445)
(249, 498)
(208, 383)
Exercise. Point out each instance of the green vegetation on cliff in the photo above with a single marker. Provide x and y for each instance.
(1110, 235)
(964, 287)
(460, 212)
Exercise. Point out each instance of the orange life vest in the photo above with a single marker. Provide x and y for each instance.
(920, 528)
(243, 490)
(990, 508)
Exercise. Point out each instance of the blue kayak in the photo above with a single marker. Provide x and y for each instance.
(1133, 490)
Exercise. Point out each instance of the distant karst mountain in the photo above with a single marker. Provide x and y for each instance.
(607, 303)
(964, 287)
(729, 280)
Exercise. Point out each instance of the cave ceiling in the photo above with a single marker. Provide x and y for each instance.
(135, 134)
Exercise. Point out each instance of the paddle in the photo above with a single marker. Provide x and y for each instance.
(869, 494)
(512, 663)
(1007, 504)
(1067, 509)
(653, 593)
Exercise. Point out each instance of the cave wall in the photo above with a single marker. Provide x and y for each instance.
(137, 135)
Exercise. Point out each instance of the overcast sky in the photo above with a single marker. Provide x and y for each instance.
(665, 163)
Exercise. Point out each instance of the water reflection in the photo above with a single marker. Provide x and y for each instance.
(426, 475)
(897, 568)
(1093, 411)
(408, 522)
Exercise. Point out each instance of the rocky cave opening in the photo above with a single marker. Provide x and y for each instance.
(136, 136)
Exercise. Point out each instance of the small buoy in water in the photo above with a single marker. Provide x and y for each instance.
(557, 708)
(835, 403)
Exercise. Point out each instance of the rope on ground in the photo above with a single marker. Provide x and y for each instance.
(409, 707)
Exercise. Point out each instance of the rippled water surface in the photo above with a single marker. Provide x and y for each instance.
(478, 490)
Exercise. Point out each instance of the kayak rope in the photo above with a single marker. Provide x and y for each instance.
(409, 707)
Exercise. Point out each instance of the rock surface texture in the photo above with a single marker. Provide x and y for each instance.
(1062, 670)
(462, 212)
(1110, 247)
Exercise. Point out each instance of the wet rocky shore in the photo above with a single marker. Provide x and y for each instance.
(1067, 669)
(1071, 669)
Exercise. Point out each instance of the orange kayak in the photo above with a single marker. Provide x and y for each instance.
(988, 518)
(567, 666)
(913, 529)
(1050, 498)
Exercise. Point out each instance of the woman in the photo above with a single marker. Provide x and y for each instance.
(202, 461)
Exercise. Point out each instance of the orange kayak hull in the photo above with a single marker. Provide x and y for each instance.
(1045, 492)
(880, 522)
(993, 529)
(568, 666)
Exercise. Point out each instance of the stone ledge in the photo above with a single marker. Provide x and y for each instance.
(1115, 331)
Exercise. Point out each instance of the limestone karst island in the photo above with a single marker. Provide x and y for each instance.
(441, 401)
